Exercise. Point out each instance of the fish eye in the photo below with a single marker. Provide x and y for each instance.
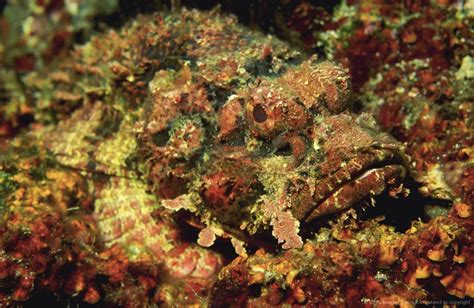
(259, 114)
(161, 138)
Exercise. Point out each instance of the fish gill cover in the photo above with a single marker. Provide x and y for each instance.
(184, 159)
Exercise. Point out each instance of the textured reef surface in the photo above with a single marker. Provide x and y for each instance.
(184, 159)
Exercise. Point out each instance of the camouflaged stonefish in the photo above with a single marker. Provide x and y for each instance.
(231, 130)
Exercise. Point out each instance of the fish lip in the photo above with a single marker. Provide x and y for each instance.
(387, 161)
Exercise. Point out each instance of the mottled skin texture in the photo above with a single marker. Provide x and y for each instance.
(195, 114)
(233, 121)
(407, 62)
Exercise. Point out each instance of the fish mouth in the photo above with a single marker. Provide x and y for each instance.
(369, 173)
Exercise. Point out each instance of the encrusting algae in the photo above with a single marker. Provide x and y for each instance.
(190, 121)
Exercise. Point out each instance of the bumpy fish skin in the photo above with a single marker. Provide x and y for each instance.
(235, 121)
(194, 113)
